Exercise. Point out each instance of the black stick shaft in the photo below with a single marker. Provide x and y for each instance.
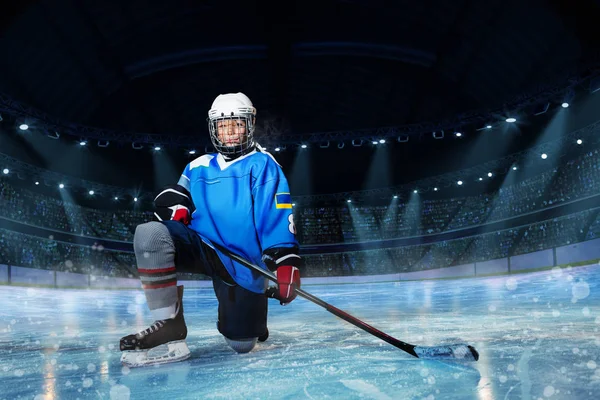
(409, 348)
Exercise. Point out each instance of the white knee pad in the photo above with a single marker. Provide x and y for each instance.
(243, 345)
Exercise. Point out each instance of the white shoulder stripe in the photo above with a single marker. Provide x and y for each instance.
(202, 161)
(185, 177)
(172, 191)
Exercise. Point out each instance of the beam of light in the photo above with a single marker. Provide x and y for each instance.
(363, 224)
(165, 170)
(301, 173)
(379, 173)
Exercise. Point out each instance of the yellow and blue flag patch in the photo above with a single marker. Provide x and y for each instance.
(283, 200)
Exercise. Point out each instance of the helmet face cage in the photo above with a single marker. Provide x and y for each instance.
(246, 139)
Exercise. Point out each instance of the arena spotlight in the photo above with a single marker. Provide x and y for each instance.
(5, 171)
(382, 141)
(457, 134)
(514, 168)
(156, 148)
(341, 145)
(579, 141)
(82, 143)
(304, 146)
(544, 156)
(488, 127)
(37, 183)
(61, 186)
(395, 196)
(565, 105)
(135, 199)
(23, 127)
(277, 148)
(480, 178)
(357, 142)
(511, 120)
(459, 183)
(192, 152)
(374, 142)
(137, 146)
(293, 204)
(435, 189)
(103, 143)
(91, 192)
(490, 174)
(415, 191)
(116, 198)
(348, 201)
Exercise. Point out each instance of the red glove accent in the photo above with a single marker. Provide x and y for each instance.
(288, 279)
(181, 214)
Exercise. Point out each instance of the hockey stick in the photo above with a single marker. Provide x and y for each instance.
(458, 351)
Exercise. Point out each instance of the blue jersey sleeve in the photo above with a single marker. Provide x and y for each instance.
(184, 179)
(273, 216)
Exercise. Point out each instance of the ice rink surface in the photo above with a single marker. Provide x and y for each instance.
(537, 334)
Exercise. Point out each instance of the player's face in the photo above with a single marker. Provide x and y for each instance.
(231, 132)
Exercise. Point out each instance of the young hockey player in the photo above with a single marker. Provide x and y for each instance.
(237, 197)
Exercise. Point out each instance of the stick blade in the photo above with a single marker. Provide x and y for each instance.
(461, 352)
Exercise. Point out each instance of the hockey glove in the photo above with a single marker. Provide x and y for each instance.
(288, 279)
(175, 203)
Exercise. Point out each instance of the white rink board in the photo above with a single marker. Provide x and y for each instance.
(70, 279)
(539, 259)
(458, 271)
(3, 273)
(31, 276)
(499, 266)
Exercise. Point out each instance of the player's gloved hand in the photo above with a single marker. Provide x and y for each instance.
(175, 203)
(288, 279)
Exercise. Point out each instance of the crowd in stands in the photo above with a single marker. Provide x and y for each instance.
(572, 180)
(48, 212)
(46, 253)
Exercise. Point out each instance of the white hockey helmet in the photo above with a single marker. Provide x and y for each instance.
(232, 106)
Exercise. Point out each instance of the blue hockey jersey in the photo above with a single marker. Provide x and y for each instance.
(244, 205)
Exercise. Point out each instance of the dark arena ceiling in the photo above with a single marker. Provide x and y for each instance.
(154, 67)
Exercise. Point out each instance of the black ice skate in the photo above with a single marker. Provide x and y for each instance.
(163, 342)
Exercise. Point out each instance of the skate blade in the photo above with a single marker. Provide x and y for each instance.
(163, 354)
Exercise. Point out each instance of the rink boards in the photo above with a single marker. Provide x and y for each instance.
(573, 253)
